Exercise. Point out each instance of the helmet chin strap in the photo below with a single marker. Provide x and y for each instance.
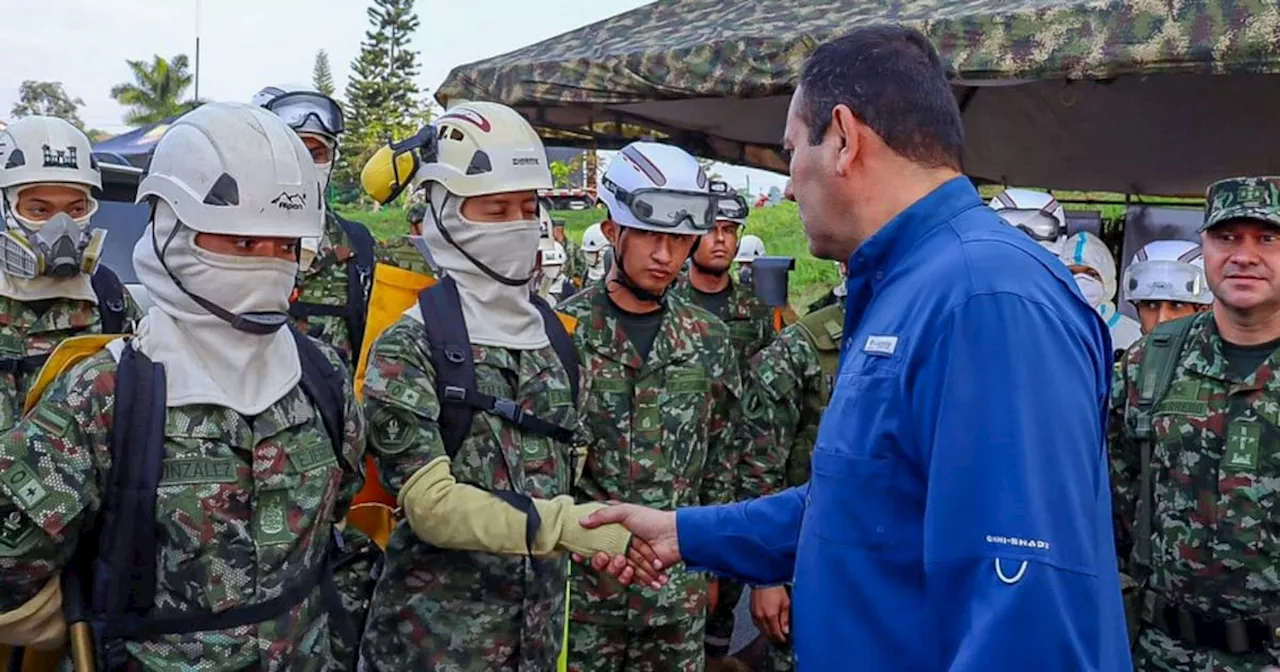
(497, 277)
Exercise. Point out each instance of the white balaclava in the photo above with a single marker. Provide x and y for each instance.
(206, 360)
(496, 314)
(311, 245)
(1086, 249)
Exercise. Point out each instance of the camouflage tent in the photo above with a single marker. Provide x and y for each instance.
(1135, 96)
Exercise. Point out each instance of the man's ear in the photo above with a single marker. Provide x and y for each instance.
(610, 230)
(848, 132)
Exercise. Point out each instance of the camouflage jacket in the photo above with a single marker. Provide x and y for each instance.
(439, 609)
(24, 332)
(1216, 471)
(661, 432)
(325, 283)
(244, 506)
(401, 253)
(750, 319)
(575, 262)
(787, 386)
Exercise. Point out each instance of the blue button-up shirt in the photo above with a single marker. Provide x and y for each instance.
(958, 516)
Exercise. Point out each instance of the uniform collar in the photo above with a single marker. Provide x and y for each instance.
(896, 240)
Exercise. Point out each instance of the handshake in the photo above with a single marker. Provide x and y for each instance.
(654, 545)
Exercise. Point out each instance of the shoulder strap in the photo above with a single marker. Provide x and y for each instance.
(323, 386)
(446, 333)
(111, 304)
(561, 342)
(1160, 355)
(124, 568)
(359, 280)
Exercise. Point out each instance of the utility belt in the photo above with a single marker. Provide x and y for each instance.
(1254, 634)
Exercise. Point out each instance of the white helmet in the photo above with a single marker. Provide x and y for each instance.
(230, 168)
(41, 150)
(749, 248)
(656, 187)
(486, 148)
(304, 109)
(593, 239)
(1167, 270)
(1086, 249)
(47, 150)
(1038, 214)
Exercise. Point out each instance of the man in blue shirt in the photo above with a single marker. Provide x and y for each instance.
(958, 516)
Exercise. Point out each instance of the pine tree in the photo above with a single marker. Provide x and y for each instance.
(322, 75)
(383, 100)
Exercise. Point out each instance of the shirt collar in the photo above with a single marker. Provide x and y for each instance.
(896, 240)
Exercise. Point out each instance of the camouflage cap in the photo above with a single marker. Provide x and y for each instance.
(1256, 198)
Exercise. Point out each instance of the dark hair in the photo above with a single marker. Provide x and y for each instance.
(893, 80)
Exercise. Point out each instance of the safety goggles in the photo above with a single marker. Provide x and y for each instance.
(667, 208)
(1163, 280)
(732, 207)
(300, 108)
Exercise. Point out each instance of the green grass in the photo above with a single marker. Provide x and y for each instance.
(778, 226)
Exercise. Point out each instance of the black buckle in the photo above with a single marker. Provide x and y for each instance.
(455, 393)
(508, 409)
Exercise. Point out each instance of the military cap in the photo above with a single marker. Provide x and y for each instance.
(1256, 198)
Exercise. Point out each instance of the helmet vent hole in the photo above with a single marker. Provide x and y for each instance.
(455, 134)
(16, 159)
(479, 164)
(224, 192)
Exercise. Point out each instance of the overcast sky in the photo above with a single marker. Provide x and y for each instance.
(247, 44)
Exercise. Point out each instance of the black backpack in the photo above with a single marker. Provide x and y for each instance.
(455, 366)
(111, 312)
(359, 279)
(110, 584)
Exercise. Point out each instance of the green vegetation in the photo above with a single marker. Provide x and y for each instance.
(778, 226)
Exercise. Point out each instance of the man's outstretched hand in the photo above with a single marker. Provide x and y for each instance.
(654, 544)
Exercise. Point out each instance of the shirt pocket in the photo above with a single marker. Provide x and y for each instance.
(681, 411)
(858, 501)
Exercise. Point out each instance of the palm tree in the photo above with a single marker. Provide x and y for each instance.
(156, 91)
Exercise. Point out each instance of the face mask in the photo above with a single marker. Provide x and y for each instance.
(60, 248)
(1092, 289)
(470, 247)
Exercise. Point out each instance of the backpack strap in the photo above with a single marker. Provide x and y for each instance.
(451, 355)
(121, 588)
(323, 386)
(359, 280)
(1160, 356)
(824, 329)
(111, 302)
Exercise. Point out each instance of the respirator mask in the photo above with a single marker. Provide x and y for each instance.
(60, 246)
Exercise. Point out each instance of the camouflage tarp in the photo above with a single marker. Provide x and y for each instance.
(1150, 96)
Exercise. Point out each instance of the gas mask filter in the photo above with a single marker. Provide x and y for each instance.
(60, 248)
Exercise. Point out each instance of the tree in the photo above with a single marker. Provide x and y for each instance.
(383, 102)
(156, 91)
(47, 99)
(322, 75)
(561, 174)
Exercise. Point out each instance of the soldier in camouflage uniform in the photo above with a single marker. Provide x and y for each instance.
(324, 275)
(1201, 516)
(707, 283)
(402, 252)
(575, 265)
(252, 481)
(660, 400)
(474, 582)
(786, 388)
(52, 297)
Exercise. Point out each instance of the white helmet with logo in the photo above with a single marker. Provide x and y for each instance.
(661, 188)
(749, 248)
(1038, 214)
(47, 151)
(593, 239)
(1085, 249)
(1167, 270)
(236, 169)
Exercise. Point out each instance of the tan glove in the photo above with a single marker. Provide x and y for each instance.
(38, 623)
(453, 515)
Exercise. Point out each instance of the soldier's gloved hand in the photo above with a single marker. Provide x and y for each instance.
(38, 623)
